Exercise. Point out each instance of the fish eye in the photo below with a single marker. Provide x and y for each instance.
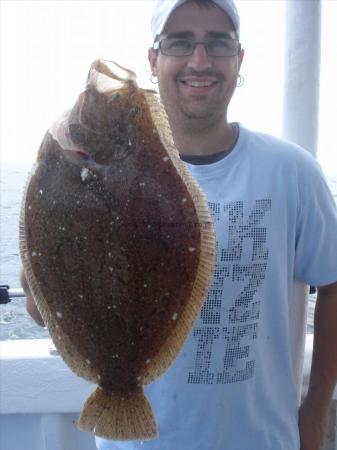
(134, 111)
(78, 156)
(115, 97)
(85, 156)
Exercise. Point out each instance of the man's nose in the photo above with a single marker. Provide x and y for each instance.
(199, 60)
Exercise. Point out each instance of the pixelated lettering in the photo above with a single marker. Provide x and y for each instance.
(237, 339)
(244, 309)
(211, 310)
(214, 210)
(202, 373)
(238, 231)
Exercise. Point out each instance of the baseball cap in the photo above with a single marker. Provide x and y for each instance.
(164, 9)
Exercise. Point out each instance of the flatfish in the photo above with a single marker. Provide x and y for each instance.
(117, 245)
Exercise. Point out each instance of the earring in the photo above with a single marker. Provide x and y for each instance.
(153, 79)
(240, 80)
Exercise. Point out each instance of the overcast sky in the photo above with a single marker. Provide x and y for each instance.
(47, 48)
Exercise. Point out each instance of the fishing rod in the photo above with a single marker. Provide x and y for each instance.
(7, 294)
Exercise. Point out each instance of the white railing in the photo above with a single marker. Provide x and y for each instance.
(40, 399)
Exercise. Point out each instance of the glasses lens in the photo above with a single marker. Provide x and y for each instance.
(176, 47)
(185, 47)
(222, 47)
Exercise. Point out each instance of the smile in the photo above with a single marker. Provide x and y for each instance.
(198, 84)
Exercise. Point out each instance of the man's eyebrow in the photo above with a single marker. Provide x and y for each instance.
(209, 34)
(219, 35)
(182, 34)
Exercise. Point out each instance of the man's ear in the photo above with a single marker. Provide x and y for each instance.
(152, 57)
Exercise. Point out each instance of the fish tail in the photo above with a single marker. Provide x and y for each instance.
(118, 418)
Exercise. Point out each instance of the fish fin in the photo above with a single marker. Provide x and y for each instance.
(118, 418)
(175, 341)
(107, 76)
(113, 70)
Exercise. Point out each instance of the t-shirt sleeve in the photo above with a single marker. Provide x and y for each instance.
(316, 231)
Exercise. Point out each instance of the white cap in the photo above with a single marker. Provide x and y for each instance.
(164, 9)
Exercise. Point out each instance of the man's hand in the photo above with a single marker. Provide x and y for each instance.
(314, 410)
(311, 427)
(30, 305)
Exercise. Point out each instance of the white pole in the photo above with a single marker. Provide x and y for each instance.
(302, 73)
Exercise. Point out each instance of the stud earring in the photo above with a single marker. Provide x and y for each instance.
(240, 80)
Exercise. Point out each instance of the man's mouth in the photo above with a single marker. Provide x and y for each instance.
(198, 83)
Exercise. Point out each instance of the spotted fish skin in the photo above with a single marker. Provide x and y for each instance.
(114, 234)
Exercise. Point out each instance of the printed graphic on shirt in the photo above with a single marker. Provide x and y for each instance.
(228, 327)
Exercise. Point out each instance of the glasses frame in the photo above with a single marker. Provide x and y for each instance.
(157, 46)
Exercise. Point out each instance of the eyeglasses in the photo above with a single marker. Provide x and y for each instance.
(218, 48)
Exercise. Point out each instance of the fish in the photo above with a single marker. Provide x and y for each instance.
(118, 247)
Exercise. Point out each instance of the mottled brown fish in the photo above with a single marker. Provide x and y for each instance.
(117, 244)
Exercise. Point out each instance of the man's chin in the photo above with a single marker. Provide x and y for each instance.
(197, 114)
(197, 110)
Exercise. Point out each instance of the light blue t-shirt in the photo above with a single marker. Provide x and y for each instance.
(235, 385)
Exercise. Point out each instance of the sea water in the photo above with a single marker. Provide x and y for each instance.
(15, 323)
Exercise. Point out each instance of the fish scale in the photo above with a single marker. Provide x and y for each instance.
(118, 247)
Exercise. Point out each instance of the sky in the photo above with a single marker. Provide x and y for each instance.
(47, 48)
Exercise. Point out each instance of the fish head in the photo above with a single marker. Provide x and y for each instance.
(99, 127)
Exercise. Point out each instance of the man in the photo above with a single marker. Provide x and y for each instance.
(233, 387)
